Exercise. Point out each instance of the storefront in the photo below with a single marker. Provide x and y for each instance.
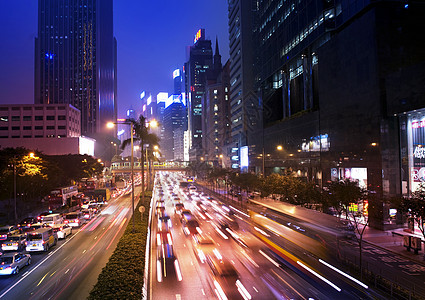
(416, 149)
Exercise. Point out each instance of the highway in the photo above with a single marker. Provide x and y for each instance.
(246, 244)
(70, 269)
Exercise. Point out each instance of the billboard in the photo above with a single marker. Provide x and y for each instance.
(244, 162)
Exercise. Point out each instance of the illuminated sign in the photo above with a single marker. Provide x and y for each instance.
(418, 124)
(419, 151)
(121, 132)
(144, 107)
(142, 95)
(161, 97)
(149, 100)
(244, 157)
(86, 145)
(198, 36)
(176, 73)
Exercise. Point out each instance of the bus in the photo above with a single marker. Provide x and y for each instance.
(61, 196)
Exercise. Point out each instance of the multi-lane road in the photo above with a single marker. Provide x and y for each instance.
(70, 269)
(246, 244)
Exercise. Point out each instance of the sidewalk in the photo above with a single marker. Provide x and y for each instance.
(393, 243)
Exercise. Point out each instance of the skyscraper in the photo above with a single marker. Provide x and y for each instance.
(174, 118)
(196, 68)
(246, 115)
(75, 59)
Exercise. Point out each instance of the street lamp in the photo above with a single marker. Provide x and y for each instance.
(112, 125)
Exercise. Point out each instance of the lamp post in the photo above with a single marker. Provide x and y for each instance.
(111, 125)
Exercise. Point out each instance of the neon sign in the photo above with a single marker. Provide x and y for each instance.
(198, 36)
(418, 124)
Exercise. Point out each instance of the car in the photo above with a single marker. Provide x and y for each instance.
(87, 214)
(27, 221)
(164, 223)
(14, 243)
(12, 263)
(203, 246)
(74, 219)
(7, 230)
(225, 279)
(62, 230)
(41, 215)
(160, 208)
(178, 207)
(167, 265)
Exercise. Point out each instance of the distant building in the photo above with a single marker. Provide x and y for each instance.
(199, 62)
(75, 60)
(216, 138)
(52, 129)
(174, 118)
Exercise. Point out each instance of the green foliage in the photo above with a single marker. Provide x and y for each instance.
(415, 207)
(342, 193)
(39, 173)
(122, 277)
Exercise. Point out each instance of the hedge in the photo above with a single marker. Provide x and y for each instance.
(122, 277)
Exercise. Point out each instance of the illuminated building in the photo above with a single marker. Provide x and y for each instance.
(216, 138)
(53, 129)
(200, 60)
(174, 119)
(75, 59)
(341, 84)
(245, 113)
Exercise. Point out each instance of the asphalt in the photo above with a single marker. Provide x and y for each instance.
(390, 240)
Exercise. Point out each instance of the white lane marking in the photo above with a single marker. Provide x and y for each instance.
(35, 268)
(203, 292)
(66, 271)
(84, 251)
(255, 289)
(178, 297)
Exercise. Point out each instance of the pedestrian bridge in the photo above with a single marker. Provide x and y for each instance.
(125, 166)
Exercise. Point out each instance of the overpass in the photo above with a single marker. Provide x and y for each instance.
(125, 166)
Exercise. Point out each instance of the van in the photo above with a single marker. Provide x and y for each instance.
(52, 219)
(74, 219)
(41, 239)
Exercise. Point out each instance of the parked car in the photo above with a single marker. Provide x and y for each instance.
(13, 262)
(6, 231)
(62, 230)
(14, 243)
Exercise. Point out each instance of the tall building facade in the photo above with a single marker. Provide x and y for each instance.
(341, 85)
(216, 138)
(174, 118)
(200, 60)
(75, 59)
(245, 106)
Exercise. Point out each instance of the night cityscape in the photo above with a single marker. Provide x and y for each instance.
(227, 149)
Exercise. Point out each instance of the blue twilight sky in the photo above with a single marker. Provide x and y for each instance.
(152, 39)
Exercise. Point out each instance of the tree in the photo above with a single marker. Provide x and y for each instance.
(141, 136)
(341, 194)
(415, 207)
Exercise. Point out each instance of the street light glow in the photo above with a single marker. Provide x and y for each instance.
(110, 125)
(279, 147)
(153, 124)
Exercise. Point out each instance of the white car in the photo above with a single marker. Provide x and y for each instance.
(62, 230)
(13, 262)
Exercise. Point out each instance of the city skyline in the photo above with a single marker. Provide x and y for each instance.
(164, 40)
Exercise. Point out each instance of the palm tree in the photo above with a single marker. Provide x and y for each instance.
(141, 134)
